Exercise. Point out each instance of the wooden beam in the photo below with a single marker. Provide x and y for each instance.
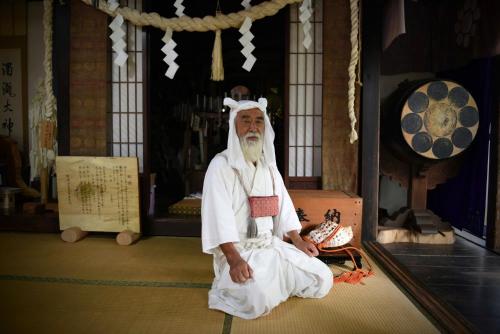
(370, 117)
(60, 68)
(146, 107)
(493, 234)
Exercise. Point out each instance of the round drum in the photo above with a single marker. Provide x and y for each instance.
(439, 119)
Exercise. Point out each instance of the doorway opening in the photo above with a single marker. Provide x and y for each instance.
(188, 122)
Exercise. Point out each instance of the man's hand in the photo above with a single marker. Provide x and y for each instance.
(304, 246)
(239, 270)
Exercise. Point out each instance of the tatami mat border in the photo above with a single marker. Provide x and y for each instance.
(80, 281)
(228, 321)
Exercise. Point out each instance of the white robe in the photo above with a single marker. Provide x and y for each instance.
(280, 270)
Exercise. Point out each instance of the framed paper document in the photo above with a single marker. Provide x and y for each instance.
(98, 193)
(13, 111)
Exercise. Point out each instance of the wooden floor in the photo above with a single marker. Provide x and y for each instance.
(464, 275)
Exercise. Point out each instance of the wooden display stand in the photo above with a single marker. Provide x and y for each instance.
(315, 203)
(424, 132)
(406, 223)
(339, 258)
(126, 238)
(73, 234)
(98, 194)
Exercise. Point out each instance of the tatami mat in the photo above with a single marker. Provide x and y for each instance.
(375, 306)
(160, 285)
(33, 307)
(100, 257)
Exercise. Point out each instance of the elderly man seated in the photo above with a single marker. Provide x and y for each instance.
(246, 212)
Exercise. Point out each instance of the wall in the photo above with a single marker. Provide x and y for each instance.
(89, 88)
(340, 158)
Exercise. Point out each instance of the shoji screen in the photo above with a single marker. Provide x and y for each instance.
(305, 96)
(126, 89)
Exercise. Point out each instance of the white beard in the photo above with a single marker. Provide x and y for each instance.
(252, 150)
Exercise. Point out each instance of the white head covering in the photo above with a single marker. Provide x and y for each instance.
(234, 152)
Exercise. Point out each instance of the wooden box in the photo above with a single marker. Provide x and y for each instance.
(186, 206)
(316, 203)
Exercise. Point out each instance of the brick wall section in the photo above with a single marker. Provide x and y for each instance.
(340, 158)
(89, 58)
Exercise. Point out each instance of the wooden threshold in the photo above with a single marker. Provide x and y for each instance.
(38, 223)
(48, 222)
(444, 316)
(173, 225)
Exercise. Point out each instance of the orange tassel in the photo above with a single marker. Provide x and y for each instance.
(352, 277)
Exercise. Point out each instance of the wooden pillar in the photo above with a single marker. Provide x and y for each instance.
(60, 57)
(44, 185)
(493, 235)
(417, 189)
(370, 122)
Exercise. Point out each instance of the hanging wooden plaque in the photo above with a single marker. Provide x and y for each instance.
(47, 134)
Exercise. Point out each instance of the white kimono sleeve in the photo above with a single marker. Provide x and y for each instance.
(218, 223)
(287, 218)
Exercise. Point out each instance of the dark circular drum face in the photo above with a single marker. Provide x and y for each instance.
(418, 102)
(461, 137)
(468, 116)
(411, 123)
(458, 97)
(421, 142)
(437, 90)
(439, 119)
(442, 148)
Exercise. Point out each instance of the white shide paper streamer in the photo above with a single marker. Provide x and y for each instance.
(180, 8)
(118, 41)
(112, 5)
(246, 41)
(170, 54)
(168, 48)
(305, 16)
